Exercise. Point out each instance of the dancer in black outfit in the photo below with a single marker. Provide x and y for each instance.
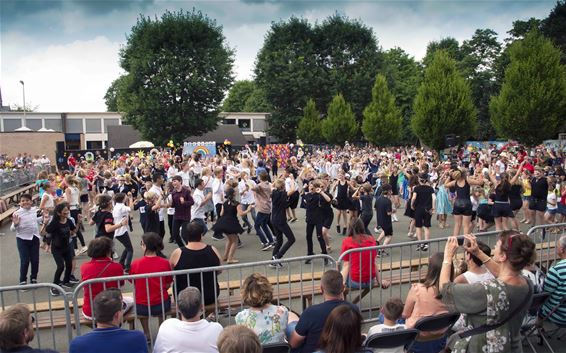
(315, 199)
(462, 204)
(279, 202)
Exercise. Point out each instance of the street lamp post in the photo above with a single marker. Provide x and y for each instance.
(24, 96)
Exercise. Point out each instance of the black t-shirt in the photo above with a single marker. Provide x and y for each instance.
(101, 218)
(382, 206)
(424, 196)
(314, 204)
(279, 202)
(60, 234)
(366, 204)
(539, 188)
(312, 321)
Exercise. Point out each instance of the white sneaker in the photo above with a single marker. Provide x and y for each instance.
(84, 249)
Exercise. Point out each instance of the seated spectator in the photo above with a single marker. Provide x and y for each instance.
(152, 298)
(360, 271)
(555, 284)
(268, 321)
(306, 334)
(100, 266)
(491, 301)
(422, 301)
(17, 331)
(108, 336)
(476, 271)
(392, 311)
(342, 332)
(191, 333)
(196, 254)
(238, 339)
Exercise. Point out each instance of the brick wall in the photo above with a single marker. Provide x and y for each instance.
(34, 143)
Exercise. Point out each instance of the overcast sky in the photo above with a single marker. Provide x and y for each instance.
(66, 52)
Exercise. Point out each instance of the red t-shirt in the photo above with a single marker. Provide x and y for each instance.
(99, 268)
(157, 285)
(367, 257)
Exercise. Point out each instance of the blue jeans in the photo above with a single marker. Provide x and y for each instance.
(29, 254)
(245, 217)
(262, 229)
(358, 285)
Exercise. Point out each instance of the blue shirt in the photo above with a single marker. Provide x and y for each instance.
(555, 285)
(312, 321)
(112, 339)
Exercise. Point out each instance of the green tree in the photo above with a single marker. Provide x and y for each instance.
(238, 95)
(383, 123)
(177, 70)
(340, 124)
(520, 29)
(443, 104)
(404, 75)
(450, 46)
(286, 71)
(554, 27)
(257, 102)
(111, 96)
(478, 66)
(309, 130)
(532, 102)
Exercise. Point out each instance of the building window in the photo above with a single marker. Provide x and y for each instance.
(93, 125)
(259, 125)
(74, 126)
(229, 122)
(110, 122)
(94, 145)
(244, 124)
(34, 124)
(12, 124)
(53, 124)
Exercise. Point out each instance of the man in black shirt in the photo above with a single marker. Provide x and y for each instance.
(424, 203)
(383, 211)
(539, 191)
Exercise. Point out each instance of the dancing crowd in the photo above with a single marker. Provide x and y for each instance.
(340, 190)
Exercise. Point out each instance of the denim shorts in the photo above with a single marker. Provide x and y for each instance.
(357, 285)
(154, 310)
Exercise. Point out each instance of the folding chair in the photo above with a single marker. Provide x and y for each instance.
(441, 322)
(394, 339)
(528, 328)
(276, 348)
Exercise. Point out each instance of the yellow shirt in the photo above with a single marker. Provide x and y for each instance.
(526, 187)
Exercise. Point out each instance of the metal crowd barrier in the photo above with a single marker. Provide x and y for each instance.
(295, 281)
(403, 264)
(45, 309)
(545, 236)
(14, 179)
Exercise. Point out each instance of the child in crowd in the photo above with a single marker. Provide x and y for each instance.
(392, 311)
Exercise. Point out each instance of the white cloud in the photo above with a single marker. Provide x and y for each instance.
(69, 77)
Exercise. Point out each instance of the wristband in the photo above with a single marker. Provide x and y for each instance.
(446, 262)
(486, 261)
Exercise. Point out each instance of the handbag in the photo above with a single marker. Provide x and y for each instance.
(486, 328)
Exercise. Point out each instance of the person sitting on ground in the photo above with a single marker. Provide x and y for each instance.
(422, 301)
(555, 284)
(267, 320)
(306, 334)
(342, 332)
(108, 336)
(491, 301)
(101, 265)
(392, 311)
(191, 333)
(360, 268)
(476, 271)
(196, 254)
(17, 330)
(238, 339)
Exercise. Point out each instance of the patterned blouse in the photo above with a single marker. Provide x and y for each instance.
(269, 324)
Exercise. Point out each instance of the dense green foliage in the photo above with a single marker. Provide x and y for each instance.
(340, 124)
(532, 103)
(383, 123)
(238, 96)
(443, 104)
(310, 126)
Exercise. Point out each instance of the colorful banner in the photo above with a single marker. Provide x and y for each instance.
(206, 149)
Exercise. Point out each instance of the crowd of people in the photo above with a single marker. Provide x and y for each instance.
(340, 190)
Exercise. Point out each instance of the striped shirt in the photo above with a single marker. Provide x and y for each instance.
(555, 284)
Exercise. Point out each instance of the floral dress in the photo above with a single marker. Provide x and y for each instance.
(488, 302)
(269, 324)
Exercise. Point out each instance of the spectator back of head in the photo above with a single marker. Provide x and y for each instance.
(189, 302)
(332, 283)
(238, 339)
(106, 304)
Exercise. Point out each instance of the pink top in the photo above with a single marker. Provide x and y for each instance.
(422, 302)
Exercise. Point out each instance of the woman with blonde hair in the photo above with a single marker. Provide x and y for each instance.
(238, 339)
(268, 321)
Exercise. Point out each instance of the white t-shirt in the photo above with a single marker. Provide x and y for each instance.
(157, 190)
(382, 328)
(246, 197)
(196, 210)
(186, 178)
(217, 190)
(176, 336)
(119, 212)
(551, 201)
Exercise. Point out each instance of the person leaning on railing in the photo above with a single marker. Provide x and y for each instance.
(490, 302)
